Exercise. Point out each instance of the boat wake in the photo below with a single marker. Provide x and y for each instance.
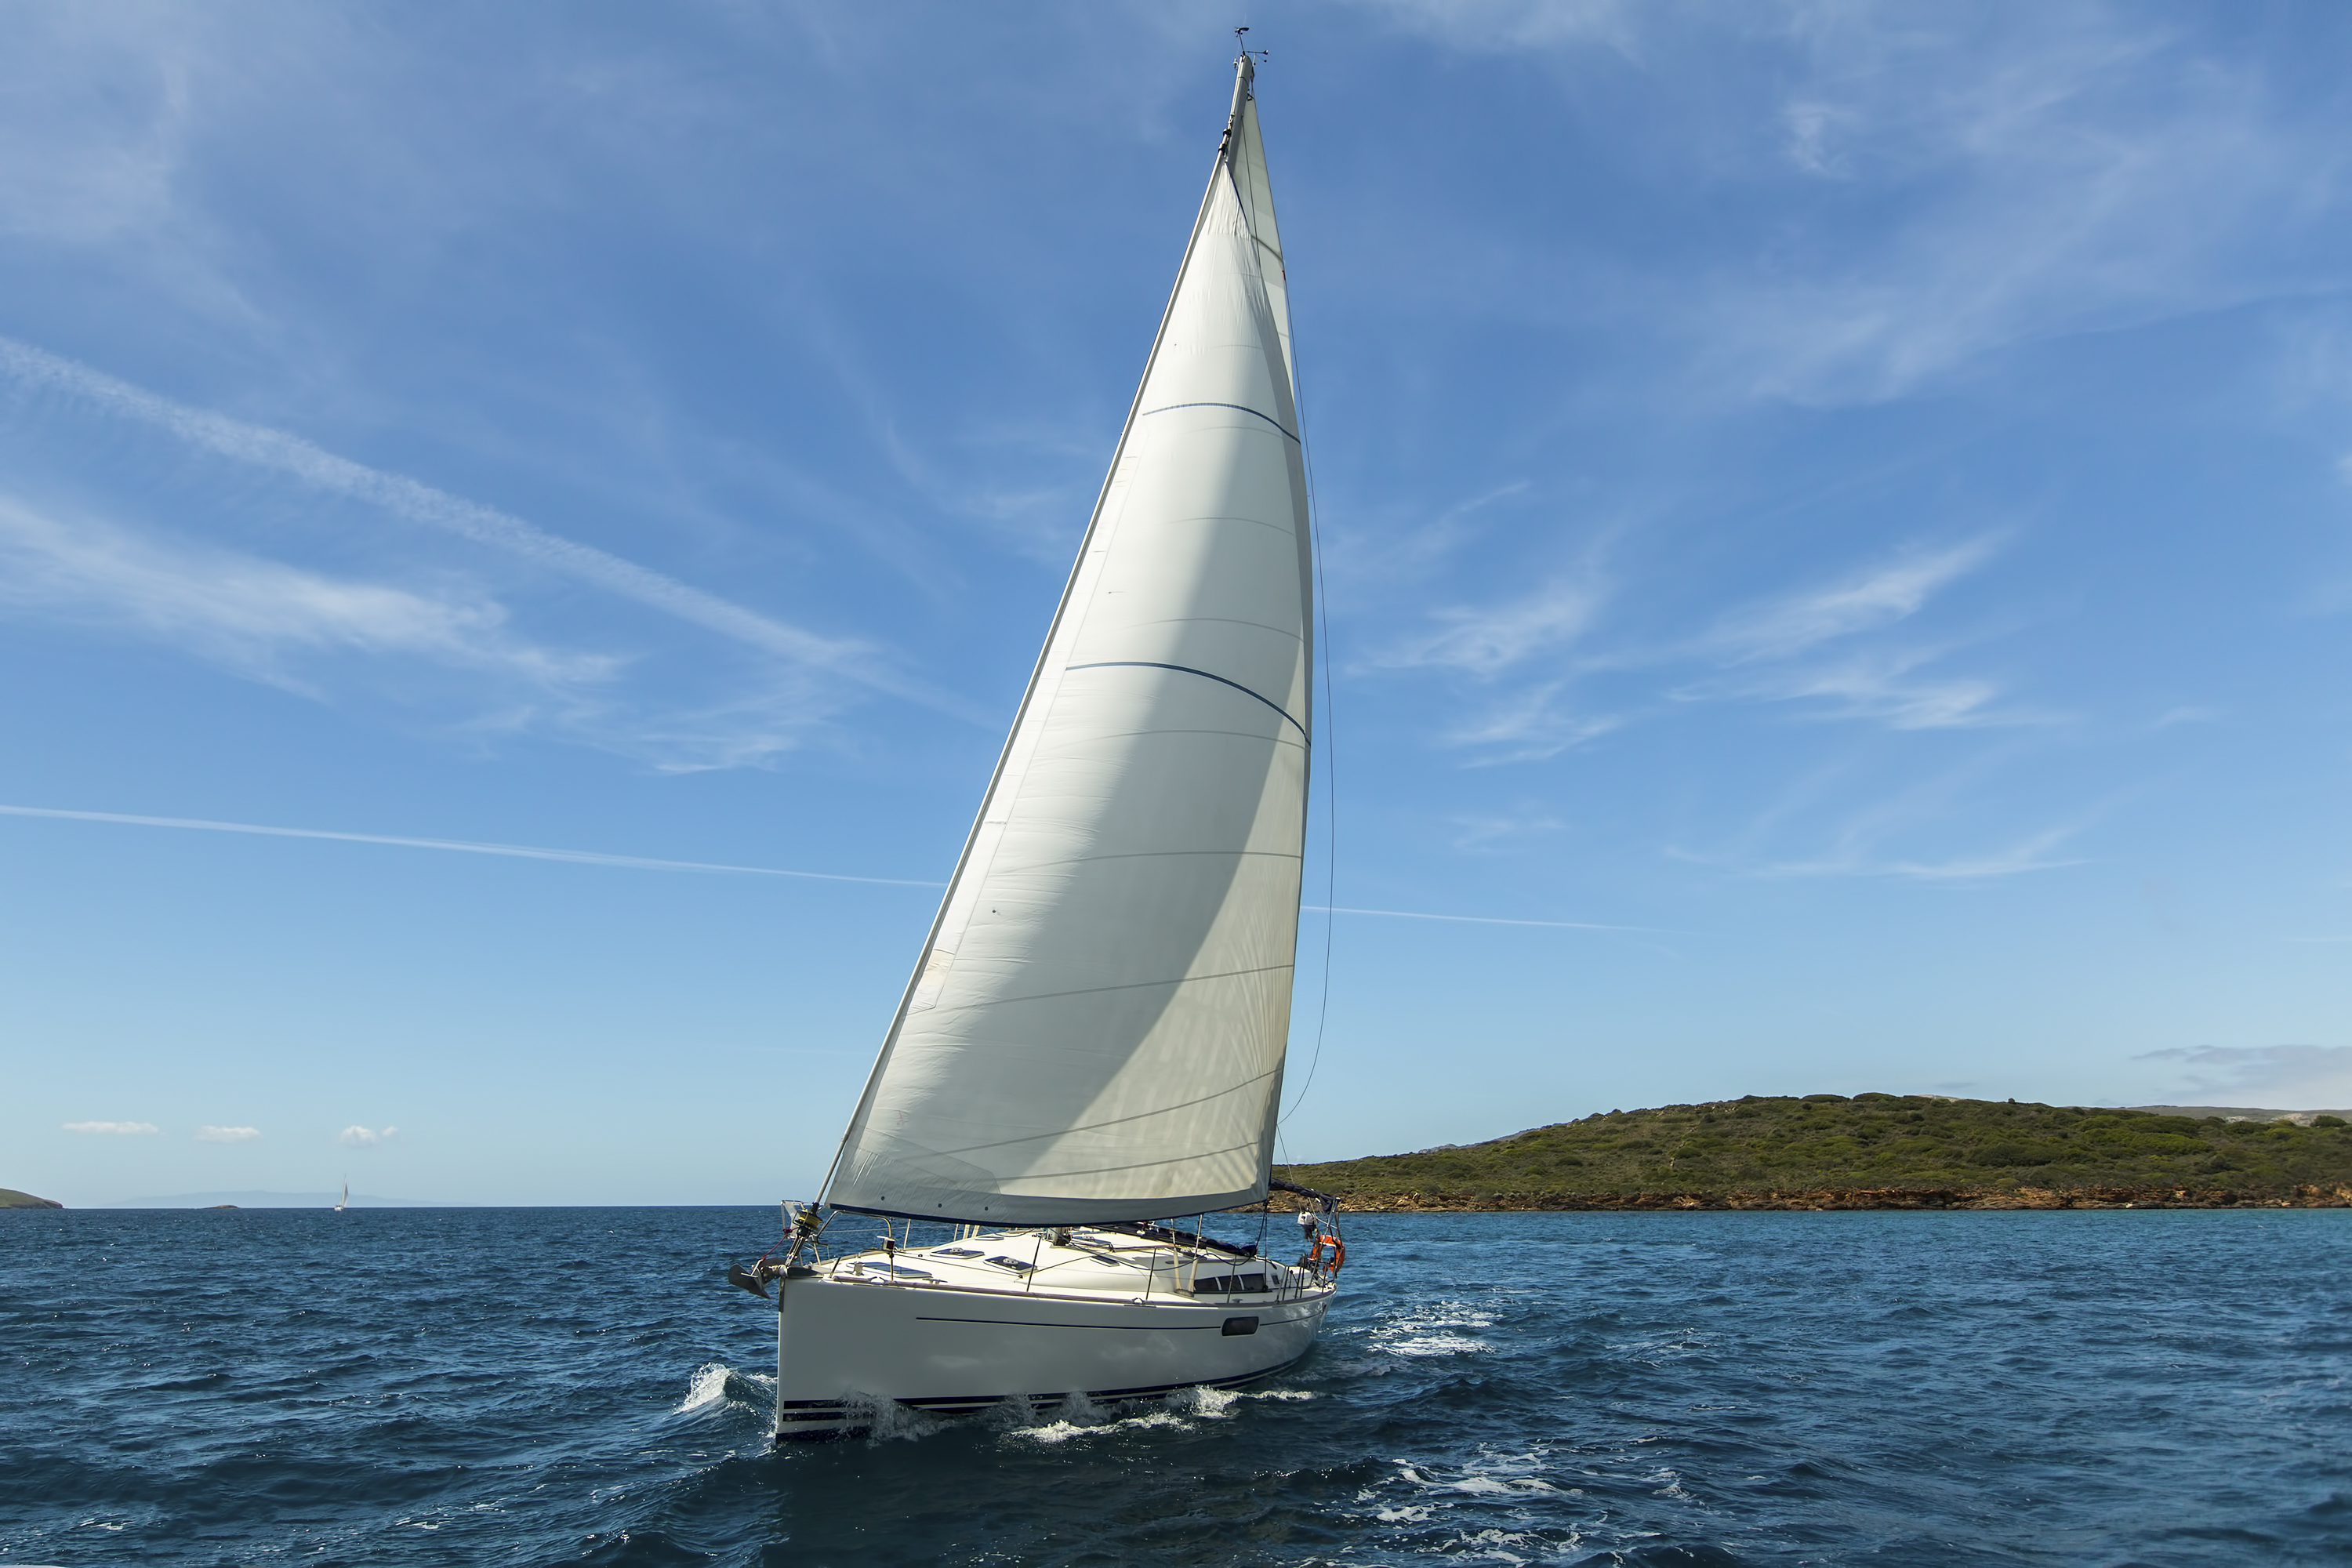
(716, 1383)
(1079, 1418)
(1436, 1329)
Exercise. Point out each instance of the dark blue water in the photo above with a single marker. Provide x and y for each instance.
(557, 1386)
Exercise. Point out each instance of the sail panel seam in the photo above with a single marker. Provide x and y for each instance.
(1028, 865)
(1188, 670)
(1094, 990)
(1238, 407)
(1250, 1142)
(1114, 1122)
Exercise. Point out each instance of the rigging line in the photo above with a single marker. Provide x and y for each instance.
(1328, 726)
(1037, 671)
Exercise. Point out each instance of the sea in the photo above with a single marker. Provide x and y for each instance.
(528, 1387)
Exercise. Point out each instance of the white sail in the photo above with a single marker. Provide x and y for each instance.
(1095, 1028)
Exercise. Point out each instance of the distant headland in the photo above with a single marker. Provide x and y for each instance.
(10, 1198)
(1871, 1152)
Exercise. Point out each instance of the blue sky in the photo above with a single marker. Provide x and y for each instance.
(1838, 529)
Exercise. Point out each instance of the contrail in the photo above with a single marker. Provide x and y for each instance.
(523, 851)
(1484, 920)
(649, 863)
(290, 455)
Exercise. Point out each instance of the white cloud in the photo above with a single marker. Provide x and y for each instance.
(1482, 831)
(2029, 855)
(1765, 648)
(2027, 172)
(367, 1138)
(1880, 686)
(2042, 172)
(1877, 596)
(1510, 25)
(1487, 641)
(1530, 726)
(252, 613)
(227, 1134)
(280, 452)
(1774, 651)
(120, 1129)
(2278, 1077)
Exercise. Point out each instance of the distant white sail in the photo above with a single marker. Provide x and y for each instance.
(1095, 1030)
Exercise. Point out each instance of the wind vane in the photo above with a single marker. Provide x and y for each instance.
(1240, 39)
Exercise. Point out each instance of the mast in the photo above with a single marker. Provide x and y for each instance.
(1096, 1027)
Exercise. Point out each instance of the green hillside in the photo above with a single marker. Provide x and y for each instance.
(10, 1198)
(1827, 1144)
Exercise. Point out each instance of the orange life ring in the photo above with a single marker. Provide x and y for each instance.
(1338, 1248)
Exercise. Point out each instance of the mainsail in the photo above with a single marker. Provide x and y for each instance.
(1095, 1028)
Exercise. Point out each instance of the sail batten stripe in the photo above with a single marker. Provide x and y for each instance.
(1238, 407)
(1099, 990)
(1188, 670)
(1120, 1121)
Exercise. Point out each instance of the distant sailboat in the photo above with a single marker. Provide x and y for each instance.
(1092, 1041)
(345, 1201)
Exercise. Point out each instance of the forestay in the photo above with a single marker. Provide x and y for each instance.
(1095, 1028)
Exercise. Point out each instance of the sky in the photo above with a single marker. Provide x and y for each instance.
(522, 528)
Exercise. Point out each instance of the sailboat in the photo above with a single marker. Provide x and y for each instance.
(1091, 1047)
(345, 1201)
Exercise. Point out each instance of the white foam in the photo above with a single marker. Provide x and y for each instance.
(887, 1420)
(708, 1387)
(1078, 1416)
(1440, 1344)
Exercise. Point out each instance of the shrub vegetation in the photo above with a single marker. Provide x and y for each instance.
(1869, 1142)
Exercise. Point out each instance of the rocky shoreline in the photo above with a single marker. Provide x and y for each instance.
(2004, 1197)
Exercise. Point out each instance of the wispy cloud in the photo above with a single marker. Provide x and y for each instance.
(227, 1134)
(367, 1137)
(2057, 171)
(1800, 647)
(1513, 24)
(1484, 830)
(1530, 725)
(2029, 172)
(526, 852)
(1876, 596)
(1852, 860)
(2281, 1078)
(114, 1129)
(1884, 687)
(1488, 639)
(288, 455)
(253, 614)
(1776, 652)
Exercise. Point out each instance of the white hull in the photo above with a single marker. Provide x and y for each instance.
(843, 1349)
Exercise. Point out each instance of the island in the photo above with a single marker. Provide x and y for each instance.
(1865, 1151)
(10, 1198)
